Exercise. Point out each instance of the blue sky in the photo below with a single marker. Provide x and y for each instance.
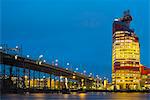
(75, 31)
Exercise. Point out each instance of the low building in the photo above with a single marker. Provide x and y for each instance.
(145, 77)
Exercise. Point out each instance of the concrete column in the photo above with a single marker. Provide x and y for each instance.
(50, 81)
(29, 77)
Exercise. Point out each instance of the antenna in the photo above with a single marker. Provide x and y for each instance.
(127, 12)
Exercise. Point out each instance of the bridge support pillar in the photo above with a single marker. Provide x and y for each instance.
(39, 79)
(17, 79)
(59, 83)
(66, 83)
(54, 82)
(10, 72)
(34, 79)
(24, 71)
(50, 81)
(45, 81)
(29, 77)
(4, 72)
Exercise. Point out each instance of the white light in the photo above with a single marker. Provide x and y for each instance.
(66, 68)
(40, 56)
(28, 56)
(40, 62)
(17, 47)
(116, 20)
(76, 68)
(44, 61)
(56, 64)
(84, 71)
(1, 47)
(68, 64)
(16, 56)
(43, 76)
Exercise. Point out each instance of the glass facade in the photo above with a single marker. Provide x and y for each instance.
(125, 55)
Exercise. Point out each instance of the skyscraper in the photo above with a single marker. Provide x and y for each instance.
(125, 54)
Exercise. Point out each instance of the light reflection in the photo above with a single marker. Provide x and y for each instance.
(129, 96)
(82, 96)
(66, 96)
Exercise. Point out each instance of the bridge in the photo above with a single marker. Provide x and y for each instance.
(28, 75)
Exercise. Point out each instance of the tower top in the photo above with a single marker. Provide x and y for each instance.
(127, 12)
(127, 17)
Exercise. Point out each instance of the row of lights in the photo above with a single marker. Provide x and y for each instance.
(68, 64)
(55, 63)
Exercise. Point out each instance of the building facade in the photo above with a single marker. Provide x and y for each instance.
(126, 72)
(145, 78)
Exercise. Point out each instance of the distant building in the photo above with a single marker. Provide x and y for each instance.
(126, 72)
(145, 77)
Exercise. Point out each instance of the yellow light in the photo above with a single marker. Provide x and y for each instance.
(74, 77)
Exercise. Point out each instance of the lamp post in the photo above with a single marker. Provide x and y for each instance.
(84, 72)
(67, 65)
(56, 62)
(44, 61)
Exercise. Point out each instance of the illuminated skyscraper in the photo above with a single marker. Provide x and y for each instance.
(125, 54)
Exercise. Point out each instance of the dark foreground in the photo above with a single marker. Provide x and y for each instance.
(79, 96)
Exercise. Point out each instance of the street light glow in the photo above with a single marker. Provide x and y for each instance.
(17, 47)
(40, 56)
(66, 68)
(44, 61)
(28, 56)
(56, 64)
(68, 64)
(1, 47)
(56, 60)
(76, 68)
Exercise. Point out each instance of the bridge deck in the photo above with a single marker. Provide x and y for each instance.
(22, 62)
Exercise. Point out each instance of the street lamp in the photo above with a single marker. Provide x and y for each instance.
(17, 47)
(40, 56)
(1, 47)
(56, 64)
(28, 56)
(76, 69)
(44, 61)
(16, 56)
(97, 76)
(68, 64)
(66, 68)
(40, 62)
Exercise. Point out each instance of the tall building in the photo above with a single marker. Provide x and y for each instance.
(126, 72)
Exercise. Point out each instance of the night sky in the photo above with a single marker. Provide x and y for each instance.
(74, 31)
